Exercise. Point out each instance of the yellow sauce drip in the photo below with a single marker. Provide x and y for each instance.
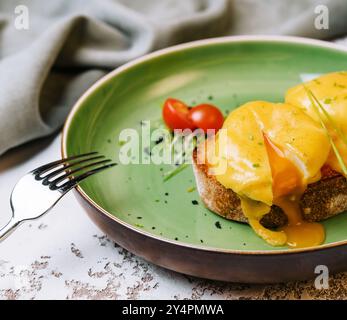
(274, 238)
(288, 187)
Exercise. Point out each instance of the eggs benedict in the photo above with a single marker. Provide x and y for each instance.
(265, 164)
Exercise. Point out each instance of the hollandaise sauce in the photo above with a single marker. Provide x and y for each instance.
(267, 154)
(288, 187)
(331, 91)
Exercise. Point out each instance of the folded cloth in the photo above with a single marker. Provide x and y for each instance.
(52, 51)
(69, 44)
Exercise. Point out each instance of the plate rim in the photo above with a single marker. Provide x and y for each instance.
(167, 51)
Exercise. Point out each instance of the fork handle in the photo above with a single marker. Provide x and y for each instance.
(8, 229)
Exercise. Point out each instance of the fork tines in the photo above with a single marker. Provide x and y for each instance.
(63, 172)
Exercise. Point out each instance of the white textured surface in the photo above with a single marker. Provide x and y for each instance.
(64, 256)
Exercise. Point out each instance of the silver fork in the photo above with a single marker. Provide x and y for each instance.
(38, 191)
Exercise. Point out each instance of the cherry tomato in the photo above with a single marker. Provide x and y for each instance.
(206, 116)
(176, 115)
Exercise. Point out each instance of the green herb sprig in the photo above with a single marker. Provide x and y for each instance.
(330, 119)
(181, 167)
(314, 100)
(176, 171)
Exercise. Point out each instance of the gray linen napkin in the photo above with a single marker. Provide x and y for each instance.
(52, 51)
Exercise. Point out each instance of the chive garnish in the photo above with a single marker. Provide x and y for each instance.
(327, 101)
(191, 189)
(180, 164)
(176, 171)
(314, 99)
(330, 119)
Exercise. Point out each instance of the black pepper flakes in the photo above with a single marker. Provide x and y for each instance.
(218, 225)
(195, 202)
(159, 140)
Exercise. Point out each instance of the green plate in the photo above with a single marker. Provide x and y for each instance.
(226, 72)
